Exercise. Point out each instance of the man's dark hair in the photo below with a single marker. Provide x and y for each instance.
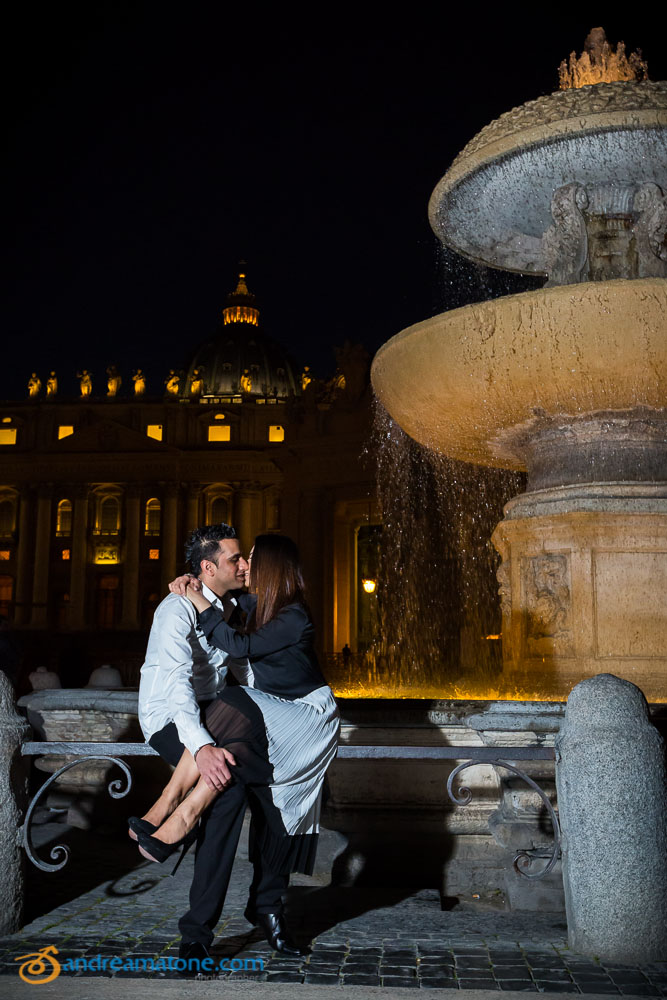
(203, 544)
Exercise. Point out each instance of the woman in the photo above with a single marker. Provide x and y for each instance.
(281, 727)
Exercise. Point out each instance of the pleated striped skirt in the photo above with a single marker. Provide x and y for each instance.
(282, 749)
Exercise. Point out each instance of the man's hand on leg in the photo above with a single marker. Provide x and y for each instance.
(213, 763)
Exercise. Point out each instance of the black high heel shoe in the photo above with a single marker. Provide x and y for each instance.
(156, 850)
(138, 826)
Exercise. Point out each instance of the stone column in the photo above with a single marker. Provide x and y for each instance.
(13, 797)
(130, 609)
(610, 776)
(40, 583)
(247, 516)
(344, 606)
(169, 556)
(310, 541)
(272, 512)
(24, 574)
(192, 516)
(79, 560)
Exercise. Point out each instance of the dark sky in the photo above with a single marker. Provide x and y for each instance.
(150, 149)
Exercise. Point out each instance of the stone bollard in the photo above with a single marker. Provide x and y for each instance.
(612, 801)
(13, 798)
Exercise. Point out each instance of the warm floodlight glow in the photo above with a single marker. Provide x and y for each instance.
(240, 314)
(154, 431)
(64, 431)
(240, 307)
(276, 432)
(369, 585)
(106, 555)
(220, 432)
(8, 435)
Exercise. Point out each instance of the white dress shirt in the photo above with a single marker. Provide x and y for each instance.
(181, 669)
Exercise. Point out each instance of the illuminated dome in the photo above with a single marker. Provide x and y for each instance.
(240, 360)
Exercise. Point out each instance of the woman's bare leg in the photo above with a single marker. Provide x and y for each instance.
(186, 816)
(183, 778)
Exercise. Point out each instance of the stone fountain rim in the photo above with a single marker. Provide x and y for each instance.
(555, 291)
(495, 140)
(455, 326)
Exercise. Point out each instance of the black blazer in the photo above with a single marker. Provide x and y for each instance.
(281, 653)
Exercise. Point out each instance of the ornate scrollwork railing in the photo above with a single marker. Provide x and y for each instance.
(522, 859)
(84, 753)
(497, 756)
(60, 852)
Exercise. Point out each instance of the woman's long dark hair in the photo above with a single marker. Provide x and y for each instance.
(275, 576)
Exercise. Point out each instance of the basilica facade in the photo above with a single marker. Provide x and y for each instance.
(98, 492)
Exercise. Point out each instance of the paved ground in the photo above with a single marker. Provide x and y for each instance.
(105, 903)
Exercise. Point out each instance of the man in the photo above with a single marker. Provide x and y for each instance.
(182, 673)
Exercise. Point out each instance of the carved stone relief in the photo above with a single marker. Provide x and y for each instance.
(505, 589)
(547, 605)
(566, 242)
(651, 231)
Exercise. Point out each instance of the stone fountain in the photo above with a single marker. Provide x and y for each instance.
(568, 383)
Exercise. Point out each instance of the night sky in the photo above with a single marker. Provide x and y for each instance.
(150, 149)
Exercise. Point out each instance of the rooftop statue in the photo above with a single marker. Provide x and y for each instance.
(171, 383)
(34, 385)
(51, 384)
(139, 380)
(85, 382)
(113, 381)
(196, 383)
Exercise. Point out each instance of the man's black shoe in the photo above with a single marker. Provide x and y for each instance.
(195, 951)
(273, 926)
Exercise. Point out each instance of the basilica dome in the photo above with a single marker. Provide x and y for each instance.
(240, 360)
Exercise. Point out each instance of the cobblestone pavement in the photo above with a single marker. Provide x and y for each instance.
(105, 903)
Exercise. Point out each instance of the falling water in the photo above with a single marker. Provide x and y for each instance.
(437, 593)
(600, 63)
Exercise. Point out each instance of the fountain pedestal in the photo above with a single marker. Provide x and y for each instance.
(583, 583)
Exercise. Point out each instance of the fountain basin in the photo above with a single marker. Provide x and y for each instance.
(472, 382)
(494, 204)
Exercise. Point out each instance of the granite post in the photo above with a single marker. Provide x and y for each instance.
(610, 776)
(13, 797)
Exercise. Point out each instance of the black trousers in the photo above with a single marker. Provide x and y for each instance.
(219, 834)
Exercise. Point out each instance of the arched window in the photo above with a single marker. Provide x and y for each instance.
(152, 519)
(219, 509)
(109, 516)
(7, 517)
(6, 594)
(367, 571)
(64, 518)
